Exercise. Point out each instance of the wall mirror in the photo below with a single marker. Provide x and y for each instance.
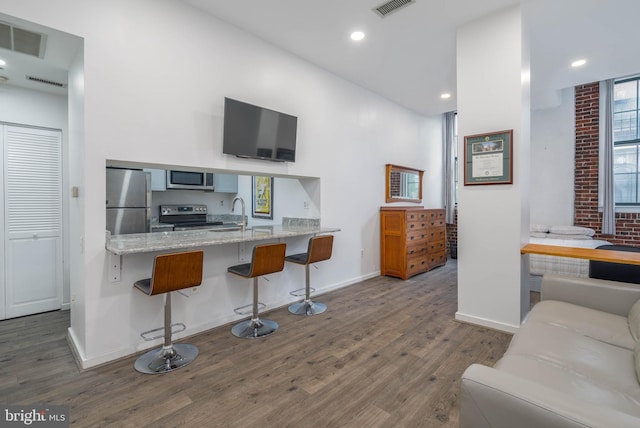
(403, 184)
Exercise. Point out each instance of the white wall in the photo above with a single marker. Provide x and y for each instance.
(155, 76)
(493, 220)
(552, 162)
(33, 108)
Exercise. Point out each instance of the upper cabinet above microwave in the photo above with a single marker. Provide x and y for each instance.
(225, 183)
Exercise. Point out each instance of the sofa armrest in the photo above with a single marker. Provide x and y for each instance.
(608, 296)
(491, 398)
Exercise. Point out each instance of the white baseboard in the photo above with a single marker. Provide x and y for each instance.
(492, 324)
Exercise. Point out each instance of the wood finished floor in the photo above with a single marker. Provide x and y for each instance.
(387, 353)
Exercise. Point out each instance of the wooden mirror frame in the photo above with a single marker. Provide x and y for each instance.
(395, 168)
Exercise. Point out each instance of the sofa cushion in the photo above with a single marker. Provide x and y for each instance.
(636, 360)
(634, 320)
(598, 325)
(558, 350)
(579, 386)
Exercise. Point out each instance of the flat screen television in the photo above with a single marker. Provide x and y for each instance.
(259, 133)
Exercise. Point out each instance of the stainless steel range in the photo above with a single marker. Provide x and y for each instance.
(185, 217)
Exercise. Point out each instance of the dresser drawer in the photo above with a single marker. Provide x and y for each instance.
(435, 214)
(417, 250)
(438, 222)
(437, 259)
(417, 265)
(437, 234)
(417, 236)
(417, 215)
(436, 247)
(417, 225)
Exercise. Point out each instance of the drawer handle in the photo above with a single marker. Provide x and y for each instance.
(412, 226)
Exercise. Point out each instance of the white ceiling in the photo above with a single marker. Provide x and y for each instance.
(60, 49)
(408, 56)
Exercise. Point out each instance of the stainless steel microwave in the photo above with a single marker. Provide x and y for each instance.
(189, 180)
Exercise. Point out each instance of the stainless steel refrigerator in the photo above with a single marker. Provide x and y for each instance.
(128, 201)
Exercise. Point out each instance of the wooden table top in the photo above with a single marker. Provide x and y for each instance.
(625, 257)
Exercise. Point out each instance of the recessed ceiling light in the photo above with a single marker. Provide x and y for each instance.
(445, 95)
(357, 35)
(578, 63)
(2, 62)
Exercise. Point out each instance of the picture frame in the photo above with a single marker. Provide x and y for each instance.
(488, 158)
(262, 197)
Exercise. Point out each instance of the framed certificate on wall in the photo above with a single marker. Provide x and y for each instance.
(488, 158)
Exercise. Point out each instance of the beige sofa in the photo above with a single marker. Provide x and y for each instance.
(575, 362)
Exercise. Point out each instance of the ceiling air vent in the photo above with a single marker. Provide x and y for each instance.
(21, 40)
(391, 6)
(46, 82)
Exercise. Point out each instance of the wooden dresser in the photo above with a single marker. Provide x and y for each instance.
(412, 240)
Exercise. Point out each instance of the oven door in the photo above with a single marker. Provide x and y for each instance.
(189, 180)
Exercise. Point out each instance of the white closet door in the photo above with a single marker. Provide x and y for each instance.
(33, 220)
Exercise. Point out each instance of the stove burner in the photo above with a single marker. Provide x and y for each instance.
(186, 216)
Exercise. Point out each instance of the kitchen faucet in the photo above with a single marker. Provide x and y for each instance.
(233, 205)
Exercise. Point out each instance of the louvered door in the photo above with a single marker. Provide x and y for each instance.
(32, 220)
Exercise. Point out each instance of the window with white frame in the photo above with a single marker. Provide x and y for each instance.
(626, 140)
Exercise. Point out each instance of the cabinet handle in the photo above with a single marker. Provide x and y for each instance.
(411, 226)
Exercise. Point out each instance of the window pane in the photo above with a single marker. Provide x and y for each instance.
(625, 126)
(625, 96)
(625, 170)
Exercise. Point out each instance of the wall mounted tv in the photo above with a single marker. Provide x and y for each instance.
(255, 132)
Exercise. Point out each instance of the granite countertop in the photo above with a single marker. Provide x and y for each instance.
(159, 241)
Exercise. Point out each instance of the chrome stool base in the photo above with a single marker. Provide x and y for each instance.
(254, 328)
(165, 360)
(307, 308)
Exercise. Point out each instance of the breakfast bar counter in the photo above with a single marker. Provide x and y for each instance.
(180, 240)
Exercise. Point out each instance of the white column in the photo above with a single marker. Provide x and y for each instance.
(493, 220)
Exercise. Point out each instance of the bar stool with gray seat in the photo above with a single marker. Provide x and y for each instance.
(319, 249)
(171, 272)
(266, 259)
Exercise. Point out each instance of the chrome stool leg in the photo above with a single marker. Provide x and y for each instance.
(254, 327)
(170, 356)
(307, 306)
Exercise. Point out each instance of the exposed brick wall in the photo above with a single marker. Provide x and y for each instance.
(452, 236)
(586, 172)
(586, 157)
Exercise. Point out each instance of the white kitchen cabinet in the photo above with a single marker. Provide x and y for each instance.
(225, 183)
(158, 179)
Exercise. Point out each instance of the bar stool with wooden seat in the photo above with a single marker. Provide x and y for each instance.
(266, 259)
(171, 272)
(319, 249)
